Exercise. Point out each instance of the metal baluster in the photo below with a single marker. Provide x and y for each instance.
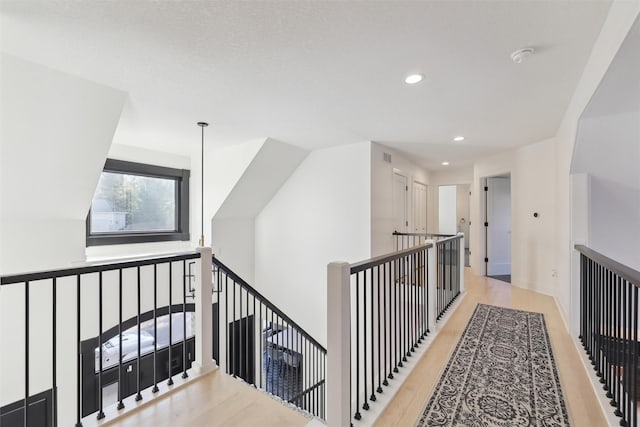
(407, 293)
(240, 336)
(184, 320)
(414, 305)
(618, 348)
(170, 381)
(78, 355)
(379, 389)
(155, 328)
(357, 415)
(232, 341)
(582, 311)
(625, 328)
(372, 349)
(600, 348)
(54, 405)
(273, 361)
(610, 337)
(138, 396)
(365, 406)
(634, 357)
(385, 287)
(396, 315)
(120, 403)
(26, 352)
(247, 337)
(100, 391)
(263, 358)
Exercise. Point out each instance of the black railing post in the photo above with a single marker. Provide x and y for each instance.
(184, 320)
(100, 391)
(26, 353)
(170, 381)
(357, 415)
(120, 403)
(54, 358)
(138, 365)
(155, 328)
(78, 354)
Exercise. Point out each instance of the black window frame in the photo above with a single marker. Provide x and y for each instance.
(181, 178)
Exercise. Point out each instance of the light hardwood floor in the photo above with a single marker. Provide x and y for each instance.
(584, 409)
(215, 399)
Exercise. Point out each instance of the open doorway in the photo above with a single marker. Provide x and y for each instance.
(497, 225)
(463, 196)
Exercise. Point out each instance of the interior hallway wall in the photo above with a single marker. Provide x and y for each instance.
(382, 220)
(622, 15)
(321, 214)
(532, 264)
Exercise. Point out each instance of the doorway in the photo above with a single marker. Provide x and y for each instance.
(497, 224)
(463, 201)
(447, 206)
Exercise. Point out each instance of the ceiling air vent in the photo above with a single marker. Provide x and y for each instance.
(386, 157)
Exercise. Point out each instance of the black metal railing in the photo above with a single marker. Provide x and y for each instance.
(609, 329)
(266, 348)
(448, 276)
(411, 240)
(391, 319)
(107, 303)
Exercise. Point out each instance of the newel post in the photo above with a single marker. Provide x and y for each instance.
(461, 252)
(338, 344)
(432, 277)
(203, 312)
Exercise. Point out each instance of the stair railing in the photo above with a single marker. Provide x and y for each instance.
(379, 312)
(266, 348)
(74, 332)
(609, 313)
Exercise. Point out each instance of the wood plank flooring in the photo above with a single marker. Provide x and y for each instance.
(583, 406)
(215, 399)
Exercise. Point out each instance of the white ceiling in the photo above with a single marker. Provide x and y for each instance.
(317, 74)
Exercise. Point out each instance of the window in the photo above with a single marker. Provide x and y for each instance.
(136, 203)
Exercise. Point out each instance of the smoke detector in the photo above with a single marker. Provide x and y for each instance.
(521, 54)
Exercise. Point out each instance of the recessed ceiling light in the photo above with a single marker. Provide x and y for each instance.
(445, 163)
(458, 138)
(413, 79)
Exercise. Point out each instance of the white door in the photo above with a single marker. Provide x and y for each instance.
(499, 229)
(400, 189)
(419, 208)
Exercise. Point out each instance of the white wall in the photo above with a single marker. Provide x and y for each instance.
(232, 226)
(56, 130)
(608, 149)
(532, 190)
(321, 214)
(382, 220)
(622, 15)
(447, 209)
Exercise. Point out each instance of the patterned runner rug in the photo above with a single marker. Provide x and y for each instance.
(502, 373)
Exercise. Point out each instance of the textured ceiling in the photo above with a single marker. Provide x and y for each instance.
(318, 74)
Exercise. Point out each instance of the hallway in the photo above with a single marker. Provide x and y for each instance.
(582, 404)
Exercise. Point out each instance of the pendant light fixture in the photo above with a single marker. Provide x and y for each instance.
(202, 126)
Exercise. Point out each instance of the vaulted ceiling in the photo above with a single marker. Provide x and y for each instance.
(318, 74)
